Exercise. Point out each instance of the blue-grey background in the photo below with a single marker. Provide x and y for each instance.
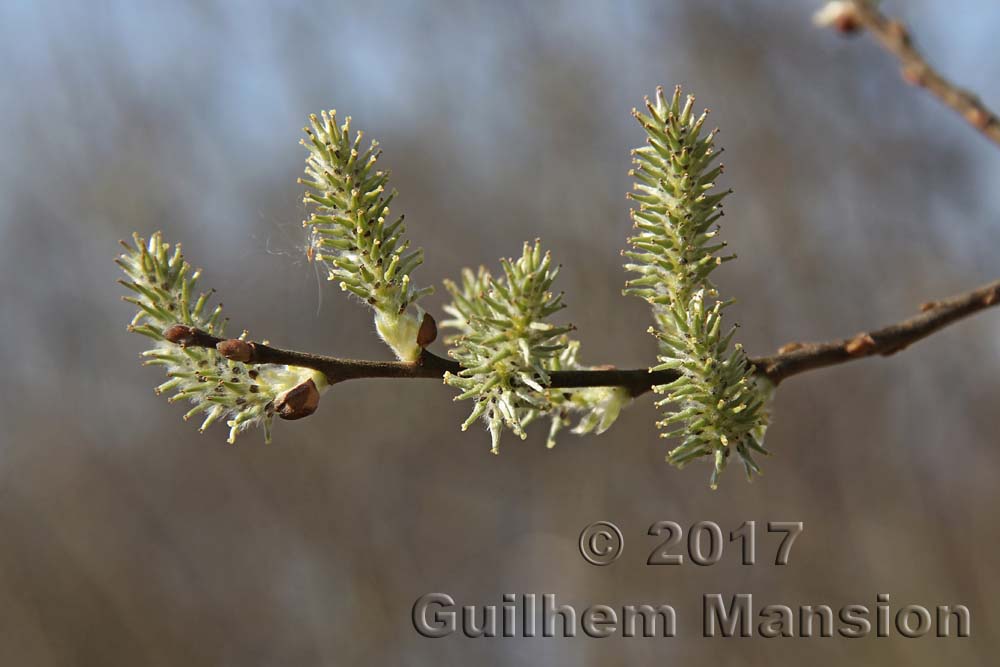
(128, 539)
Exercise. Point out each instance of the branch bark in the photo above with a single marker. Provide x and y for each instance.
(796, 358)
(896, 39)
(790, 360)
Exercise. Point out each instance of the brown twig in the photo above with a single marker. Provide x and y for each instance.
(428, 366)
(791, 359)
(896, 39)
(798, 358)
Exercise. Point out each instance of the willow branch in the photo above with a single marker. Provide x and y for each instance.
(796, 358)
(896, 39)
(428, 365)
(790, 360)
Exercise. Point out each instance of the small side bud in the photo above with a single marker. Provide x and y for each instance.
(860, 345)
(181, 334)
(428, 331)
(915, 75)
(978, 118)
(235, 349)
(298, 402)
(790, 347)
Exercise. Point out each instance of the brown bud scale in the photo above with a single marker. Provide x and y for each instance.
(180, 334)
(235, 349)
(428, 331)
(298, 402)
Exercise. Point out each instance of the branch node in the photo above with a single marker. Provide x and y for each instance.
(915, 75)
(978, 118)
(860, 345)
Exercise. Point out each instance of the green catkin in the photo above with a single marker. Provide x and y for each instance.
(242, 396)
(353, 234)
(507, 349)
(717, 406)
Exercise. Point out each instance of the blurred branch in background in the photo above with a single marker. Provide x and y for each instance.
(848, 16)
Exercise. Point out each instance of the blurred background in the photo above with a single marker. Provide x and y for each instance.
(127, 538)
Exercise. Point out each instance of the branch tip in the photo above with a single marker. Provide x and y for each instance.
(895, 38)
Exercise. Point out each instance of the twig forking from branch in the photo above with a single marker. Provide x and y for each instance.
(790, 360)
